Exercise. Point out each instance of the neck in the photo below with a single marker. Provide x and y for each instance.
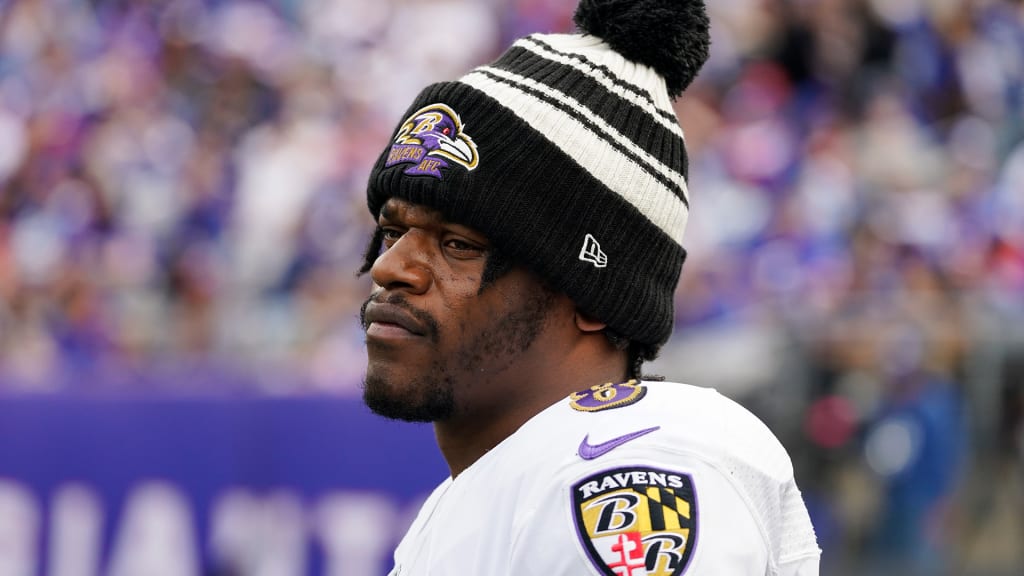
(523, 392)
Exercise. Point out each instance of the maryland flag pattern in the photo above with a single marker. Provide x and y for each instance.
(637, 521)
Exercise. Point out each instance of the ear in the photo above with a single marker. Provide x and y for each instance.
(587, 324)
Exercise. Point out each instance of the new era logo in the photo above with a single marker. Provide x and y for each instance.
(591, 252)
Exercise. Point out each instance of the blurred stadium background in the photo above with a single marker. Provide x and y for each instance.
(182, 214)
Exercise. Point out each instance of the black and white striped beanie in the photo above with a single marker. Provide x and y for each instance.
(566, 153)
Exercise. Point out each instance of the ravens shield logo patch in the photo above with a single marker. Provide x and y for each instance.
(637, 521)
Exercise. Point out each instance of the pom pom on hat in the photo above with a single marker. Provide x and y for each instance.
(670, 36)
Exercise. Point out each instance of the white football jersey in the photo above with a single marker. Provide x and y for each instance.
(627, 479)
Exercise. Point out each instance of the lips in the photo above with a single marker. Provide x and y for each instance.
(389, 319)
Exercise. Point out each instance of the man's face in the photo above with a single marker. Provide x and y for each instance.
(435, 341)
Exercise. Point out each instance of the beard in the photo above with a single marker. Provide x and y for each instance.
(432, 395)
(435, 401)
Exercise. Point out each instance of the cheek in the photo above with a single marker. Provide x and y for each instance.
(475, 314)
(467, 328)
(463, 308)
(464, 327)
(496, 330)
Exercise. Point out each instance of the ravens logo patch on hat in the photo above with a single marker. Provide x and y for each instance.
(637, 521)
(432, 139)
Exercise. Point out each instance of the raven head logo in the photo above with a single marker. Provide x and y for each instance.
(430, 139)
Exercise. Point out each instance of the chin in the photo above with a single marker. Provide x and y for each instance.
(427, 399)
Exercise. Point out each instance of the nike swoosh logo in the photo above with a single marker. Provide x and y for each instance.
(590, 451)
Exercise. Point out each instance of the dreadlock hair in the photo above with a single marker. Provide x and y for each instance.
(636, 355)
(372, 251)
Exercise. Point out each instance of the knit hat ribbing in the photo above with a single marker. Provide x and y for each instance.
(568, 157)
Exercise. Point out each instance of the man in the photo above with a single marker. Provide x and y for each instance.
(529, 242)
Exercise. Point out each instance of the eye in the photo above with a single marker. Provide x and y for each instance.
(461, 248)
(446, 131)
(460, 245)
(389, 235)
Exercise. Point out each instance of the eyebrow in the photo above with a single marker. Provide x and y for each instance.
(390, 213)
(393, 213)
(387, 211)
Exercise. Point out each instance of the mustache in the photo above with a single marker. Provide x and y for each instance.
(429, 322)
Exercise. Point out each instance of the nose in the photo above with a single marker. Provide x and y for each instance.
(403, 266)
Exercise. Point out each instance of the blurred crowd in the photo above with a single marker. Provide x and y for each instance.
(182, 209)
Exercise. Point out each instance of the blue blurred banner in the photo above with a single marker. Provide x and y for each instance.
(183, 487)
